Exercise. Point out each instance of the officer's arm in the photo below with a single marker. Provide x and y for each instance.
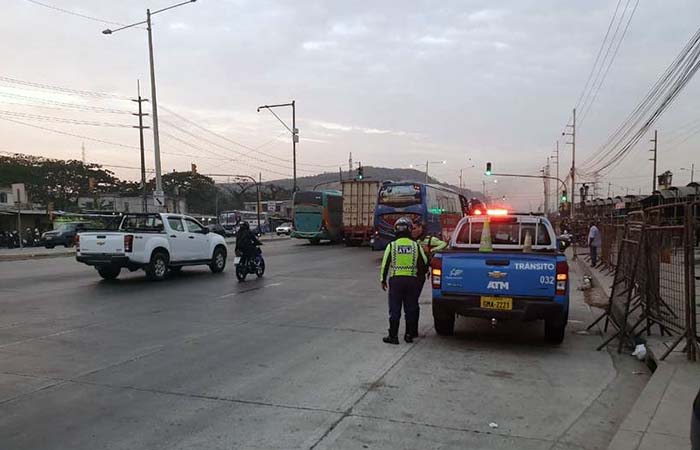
(439, 245)
(385, 264)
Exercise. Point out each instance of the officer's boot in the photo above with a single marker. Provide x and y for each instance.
(393, 337)
(411, 330)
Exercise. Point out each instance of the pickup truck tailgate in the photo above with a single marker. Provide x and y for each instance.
(508, 274)
(103, 243)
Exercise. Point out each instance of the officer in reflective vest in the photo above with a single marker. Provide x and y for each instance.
(404, 260)
(430, 244)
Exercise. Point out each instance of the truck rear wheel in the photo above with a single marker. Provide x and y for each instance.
(157, 269)
(444, 320)
(109, 272)
(218, 261)
(555, 330)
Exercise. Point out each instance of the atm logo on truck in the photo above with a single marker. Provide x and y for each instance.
(501, 285)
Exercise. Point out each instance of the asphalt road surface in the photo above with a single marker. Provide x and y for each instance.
(292, 360)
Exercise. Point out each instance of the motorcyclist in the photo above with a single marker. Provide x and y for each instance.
(246, 244)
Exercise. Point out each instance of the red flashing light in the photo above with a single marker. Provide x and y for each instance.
(497, 212)
(477, 212)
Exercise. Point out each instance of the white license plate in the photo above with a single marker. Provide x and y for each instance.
(237, 259)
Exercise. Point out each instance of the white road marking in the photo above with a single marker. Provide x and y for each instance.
(231, 294)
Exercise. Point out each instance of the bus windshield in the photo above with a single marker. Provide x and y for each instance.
(308, 198)
(400, 195)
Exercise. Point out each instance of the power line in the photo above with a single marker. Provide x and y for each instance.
(78, 92)
(63, 120)
(586, 110)
(67, 105)
(73, 13)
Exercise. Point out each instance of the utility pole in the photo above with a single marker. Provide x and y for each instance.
(654, 151)
(609, 186)
(340, 172)
(141, 127)
(573, 160)
(350, 162)
(82, 152)
(158, 194)
(293, 130)
(426, 171)
(260, 182)
(461, 189)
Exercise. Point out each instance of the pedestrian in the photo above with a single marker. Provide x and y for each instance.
(404, 259)
(594, 243)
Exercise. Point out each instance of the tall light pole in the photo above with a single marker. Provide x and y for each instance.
(293, 130)
(158, 194)
(427, 165)
(573, 159)
(461, 172)
(691, 170)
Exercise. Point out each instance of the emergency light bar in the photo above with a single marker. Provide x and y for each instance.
(497, 212)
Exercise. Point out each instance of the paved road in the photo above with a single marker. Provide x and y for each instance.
(294, 360)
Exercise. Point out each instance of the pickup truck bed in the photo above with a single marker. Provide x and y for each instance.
(504, 283)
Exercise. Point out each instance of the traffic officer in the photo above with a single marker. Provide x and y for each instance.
(403, 261)
(430, 244)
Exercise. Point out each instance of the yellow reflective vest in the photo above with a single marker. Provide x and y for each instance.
(403, 258)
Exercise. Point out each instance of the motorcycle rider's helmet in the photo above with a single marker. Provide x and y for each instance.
(403, 227)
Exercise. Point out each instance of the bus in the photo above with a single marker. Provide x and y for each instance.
(317, 216)
(438, 208)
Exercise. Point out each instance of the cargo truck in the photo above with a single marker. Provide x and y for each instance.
(359, 202)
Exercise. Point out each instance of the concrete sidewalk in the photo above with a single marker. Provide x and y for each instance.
(16, 254)
(660, 418)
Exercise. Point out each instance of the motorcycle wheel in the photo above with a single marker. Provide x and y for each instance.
(241, 272)
(260, 268)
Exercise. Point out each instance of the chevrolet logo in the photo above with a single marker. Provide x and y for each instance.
(100, 243)
(497, 275)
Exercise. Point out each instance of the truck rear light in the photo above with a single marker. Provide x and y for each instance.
(128, 243)
(436, 272)
(562, 277)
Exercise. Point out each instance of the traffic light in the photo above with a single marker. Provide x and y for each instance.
(360, 172)
(564, 196)
(488, 169)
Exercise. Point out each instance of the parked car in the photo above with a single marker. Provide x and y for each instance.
(156, 243)
(285, 228)
(218, 229)
(64, 234)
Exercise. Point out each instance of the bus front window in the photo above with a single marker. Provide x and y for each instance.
(400, 195)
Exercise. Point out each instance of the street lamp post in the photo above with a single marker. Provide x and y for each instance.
(691, 170)
(158, 194)
(246, 177)
(293, 130)
(427, 165)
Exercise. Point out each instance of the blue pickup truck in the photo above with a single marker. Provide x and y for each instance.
(520, 274)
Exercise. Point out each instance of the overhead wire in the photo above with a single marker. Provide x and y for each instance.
(73, 13)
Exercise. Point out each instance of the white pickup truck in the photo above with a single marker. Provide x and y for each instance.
(157, 243)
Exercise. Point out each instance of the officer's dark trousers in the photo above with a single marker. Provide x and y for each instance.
(403, 291)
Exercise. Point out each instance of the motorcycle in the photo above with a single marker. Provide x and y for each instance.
(565, 240)
(255, 265)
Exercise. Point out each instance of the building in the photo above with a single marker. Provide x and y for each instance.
(125, 204)
(30, 215)
(279, 208)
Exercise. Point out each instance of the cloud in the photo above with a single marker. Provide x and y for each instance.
(317, 45)
(435, 40)
(179, 26)
(349, 28)
(364, 130)
(487, 15)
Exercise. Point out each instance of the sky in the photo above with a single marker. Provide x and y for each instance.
(397, 83)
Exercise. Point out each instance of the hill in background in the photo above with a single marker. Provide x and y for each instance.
(331, 180)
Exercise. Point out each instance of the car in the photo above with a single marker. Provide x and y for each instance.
(157, 243)
(503, 274)
(285, 228)
(218, 229)
(64, 234)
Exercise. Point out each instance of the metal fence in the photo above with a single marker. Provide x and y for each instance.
(656, 265)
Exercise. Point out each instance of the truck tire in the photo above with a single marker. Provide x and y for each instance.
(157, 269)
(314, 241)
(218, 260)
(555, 330)
(109, 272)
(444, 320)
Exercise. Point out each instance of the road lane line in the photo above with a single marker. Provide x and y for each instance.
(257, 288)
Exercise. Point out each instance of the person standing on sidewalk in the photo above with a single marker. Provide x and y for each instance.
(594, 243)
(403, 262)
